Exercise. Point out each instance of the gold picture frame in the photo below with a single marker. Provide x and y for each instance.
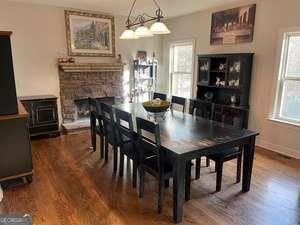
(90, 34)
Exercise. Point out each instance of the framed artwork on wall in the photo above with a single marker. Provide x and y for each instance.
(233, 26)
(90, 34)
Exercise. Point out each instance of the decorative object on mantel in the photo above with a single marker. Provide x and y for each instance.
(119, 58)
(233, 26)
(91, 67)
(66, 60)
(142, 31)
(90, 34)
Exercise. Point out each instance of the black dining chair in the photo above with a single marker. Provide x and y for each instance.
(175, 100)
(110, 134)
(226, 155)
(159, 95)
(205, 110)
(96, 125)
(126, 141)
(158, 165)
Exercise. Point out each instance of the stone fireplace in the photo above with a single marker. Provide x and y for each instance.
(79, 81)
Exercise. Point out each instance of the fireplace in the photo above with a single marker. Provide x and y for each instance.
(81, 109)
(79, 81)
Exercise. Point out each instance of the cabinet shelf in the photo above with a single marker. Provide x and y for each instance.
(221, 87)
(217, 71)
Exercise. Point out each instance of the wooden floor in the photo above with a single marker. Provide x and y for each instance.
(73, 186)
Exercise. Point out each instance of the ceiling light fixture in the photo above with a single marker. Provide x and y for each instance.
(142, 31)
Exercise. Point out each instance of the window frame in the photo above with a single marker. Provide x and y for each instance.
(171, 63)
(282, 78)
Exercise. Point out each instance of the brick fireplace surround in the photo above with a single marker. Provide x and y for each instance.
(79, 81)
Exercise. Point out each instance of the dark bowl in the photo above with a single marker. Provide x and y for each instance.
(156, 108)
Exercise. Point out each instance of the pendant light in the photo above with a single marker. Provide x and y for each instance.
(159, 28)
(142, 31)
(128, 35)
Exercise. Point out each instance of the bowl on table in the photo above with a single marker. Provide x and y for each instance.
(156, 107)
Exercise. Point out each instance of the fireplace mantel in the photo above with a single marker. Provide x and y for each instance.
(90, 67)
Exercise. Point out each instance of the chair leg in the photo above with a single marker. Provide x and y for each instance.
(142, 182)
(94, 141)
(121, 164)
(207, 162)
(115, 158)
(134, 174)
(239, 168)
(93, 133)
(188, 181)
(161, 185)
(219, 170)
(101, 147)
(197, 168)
(167, 183)
(106, 150)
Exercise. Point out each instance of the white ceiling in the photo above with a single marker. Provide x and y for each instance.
(171, 8)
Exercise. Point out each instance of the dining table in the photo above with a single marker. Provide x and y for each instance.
(185, 137)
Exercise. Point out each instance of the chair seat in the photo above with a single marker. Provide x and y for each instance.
(110, 136)
(225, 153)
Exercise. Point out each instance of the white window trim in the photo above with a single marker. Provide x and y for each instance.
(182, 42)
(281, 61)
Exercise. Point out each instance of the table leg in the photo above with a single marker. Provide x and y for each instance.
(248, 164)
(178, 189)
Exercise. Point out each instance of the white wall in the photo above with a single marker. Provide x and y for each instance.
(39, 38)
(272, 16)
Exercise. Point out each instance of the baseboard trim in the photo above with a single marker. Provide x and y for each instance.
(284, 150)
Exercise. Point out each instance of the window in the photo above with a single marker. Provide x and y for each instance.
(181, 68)
(287, 107)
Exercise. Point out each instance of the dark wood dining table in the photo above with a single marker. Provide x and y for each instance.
(186, 137)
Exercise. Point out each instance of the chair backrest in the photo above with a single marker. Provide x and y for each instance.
(178, 101)
(148, 144)
(124, 125)
(108, 122)
(231, 116)
(159, 95)
(94, 106)
(202, 109)
(107, 111)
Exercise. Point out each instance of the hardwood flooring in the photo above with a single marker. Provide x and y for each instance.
(73, 186)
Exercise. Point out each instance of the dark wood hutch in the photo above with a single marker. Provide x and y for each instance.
(223, 82)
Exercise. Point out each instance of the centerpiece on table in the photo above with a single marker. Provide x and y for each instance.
(156, 108)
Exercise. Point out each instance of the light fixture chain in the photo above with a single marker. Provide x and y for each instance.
(132, 6)
(156, 3)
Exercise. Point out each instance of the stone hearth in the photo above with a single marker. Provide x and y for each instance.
(80, 81)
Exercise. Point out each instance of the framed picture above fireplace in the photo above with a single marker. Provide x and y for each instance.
(233, 26)
(90, 34)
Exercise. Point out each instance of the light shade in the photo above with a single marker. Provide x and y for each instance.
(128, 34)
(143, 31)
(159, 28)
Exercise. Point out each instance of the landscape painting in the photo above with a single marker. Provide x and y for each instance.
(90, 34)
(233, 26)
